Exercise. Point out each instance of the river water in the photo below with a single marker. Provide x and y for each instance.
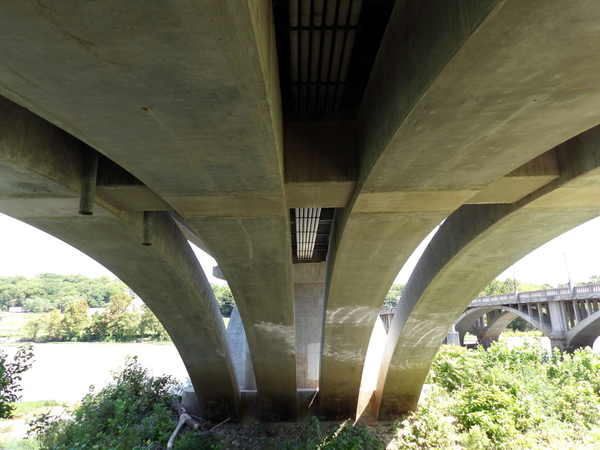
(65, 371)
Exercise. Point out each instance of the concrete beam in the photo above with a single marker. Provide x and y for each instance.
(321, 164)
(521, 182)
(456, 266)
(41, 169)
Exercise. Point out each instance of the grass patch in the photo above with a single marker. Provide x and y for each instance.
(517, 333)
(23, 409)
(12, 326)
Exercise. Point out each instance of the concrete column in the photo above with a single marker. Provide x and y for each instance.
(576, 310)
(453, 338)
(240, 352)
(309, 283)
(559, 325)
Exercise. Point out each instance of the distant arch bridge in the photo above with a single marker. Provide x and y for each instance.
(569, 317)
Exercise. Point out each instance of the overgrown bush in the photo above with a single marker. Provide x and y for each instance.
(131, 413)
(10, 376)
(506, 398)
(500, 398)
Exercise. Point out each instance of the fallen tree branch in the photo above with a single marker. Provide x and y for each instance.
(217, 425)
(182, 420)
(189, 421)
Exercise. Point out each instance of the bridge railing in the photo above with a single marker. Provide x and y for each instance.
(493, 300)
(536, 296)
(587, 289)
(526, 297)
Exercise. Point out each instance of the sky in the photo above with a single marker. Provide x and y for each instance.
(24, 250)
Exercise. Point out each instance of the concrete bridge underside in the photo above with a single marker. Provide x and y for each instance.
(174, 118)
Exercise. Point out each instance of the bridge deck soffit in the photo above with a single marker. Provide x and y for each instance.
(186, 99)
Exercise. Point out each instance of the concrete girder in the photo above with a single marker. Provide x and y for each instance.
(184, 96)
(444, 115)
(41, 173)
(497, 84)
(457, 261)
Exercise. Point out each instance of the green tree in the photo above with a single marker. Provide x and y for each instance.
(224, 299)
(121, 324)
(498, 287)
(54, 325)
(150, 326)
(33, 327)
(10, 376)
(75, 321)
(38, 305)
(391, 299)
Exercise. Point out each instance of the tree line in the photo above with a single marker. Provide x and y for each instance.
(49, 291)
(120, 321)
(63, 304)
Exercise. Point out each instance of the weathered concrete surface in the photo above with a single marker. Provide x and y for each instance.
(240, 353)
(309, 283)
(457, 262)
(444, 115)
(185, 96)
(584, 334)
(40, 169)
(321, 164)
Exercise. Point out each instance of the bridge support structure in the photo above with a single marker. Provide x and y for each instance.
(566, 316)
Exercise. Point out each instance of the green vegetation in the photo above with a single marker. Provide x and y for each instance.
(507, 399)
(48, 291)
(10, 376)
(61, 305)
(502, 398)
(391, 299)
(120, 321)
(130, 413)
(224, 299)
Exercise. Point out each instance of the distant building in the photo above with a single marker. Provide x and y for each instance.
(17, 310)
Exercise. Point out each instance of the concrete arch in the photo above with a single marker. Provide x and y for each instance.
(466, 321)
(41, 171)
(584, 333)
(195, 114)
(456, 265)
(414, 106)
(498, 324)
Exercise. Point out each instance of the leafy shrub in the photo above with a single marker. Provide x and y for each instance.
(10, 376)
(130, 413)
(506, 398)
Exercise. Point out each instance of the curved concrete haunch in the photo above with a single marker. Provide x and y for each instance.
(584, 333)
(40, 173)
(445, 115)
(457, 265)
